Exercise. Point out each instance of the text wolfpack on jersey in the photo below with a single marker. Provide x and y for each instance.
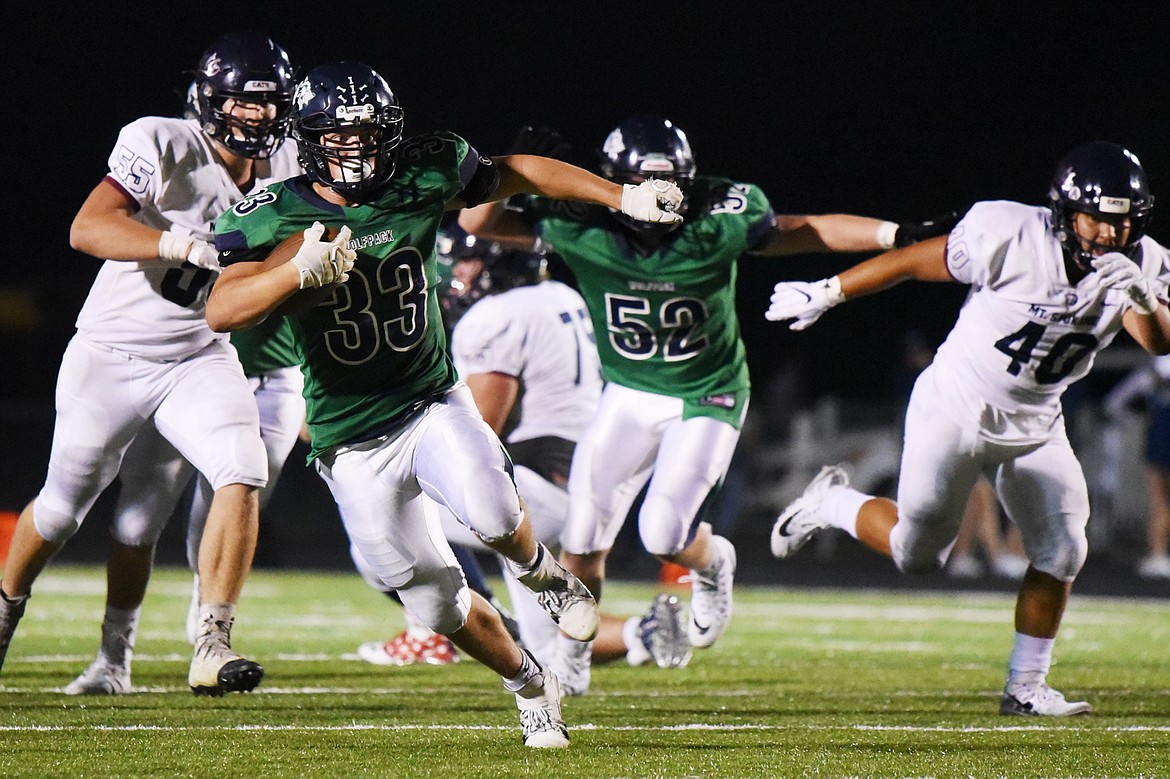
(373, 239)
(652, 286)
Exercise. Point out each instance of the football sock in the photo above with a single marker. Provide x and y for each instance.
(1031, 658)
(841, 507)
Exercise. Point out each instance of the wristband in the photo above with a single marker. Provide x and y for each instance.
(887, 232)
(173, 247)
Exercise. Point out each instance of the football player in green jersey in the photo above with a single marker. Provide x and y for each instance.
(387, 417)
(662, 300)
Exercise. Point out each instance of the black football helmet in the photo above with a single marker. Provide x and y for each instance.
(249, 67)
(645, 147)
(504, 268)
(349, 98)
(1104, 180)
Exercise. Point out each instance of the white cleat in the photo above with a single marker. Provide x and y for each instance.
(215, 667)
(572, 664)
(101, 678)
(562, 596)
(663, 634)
(1037, 699)
(711, 595)
(541, 723)
(803, 517)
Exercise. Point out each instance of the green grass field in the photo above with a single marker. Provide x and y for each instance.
(805, 683)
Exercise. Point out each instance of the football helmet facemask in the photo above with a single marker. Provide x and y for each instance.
(1106, 181)
(250, 68)
(648, 147)
(351, 100)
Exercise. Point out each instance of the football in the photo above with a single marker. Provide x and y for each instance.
(301, 300)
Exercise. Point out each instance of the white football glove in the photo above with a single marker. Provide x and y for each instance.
(803, 301)
(654, 200)
(1116, 271)
(204, 255)
(324, 262)
(184, 248)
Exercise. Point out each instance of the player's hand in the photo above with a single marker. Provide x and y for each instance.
(654, 200)
(803, 301)
(912, 232)
(204, 255)
(1116, 271)
(324, 262)
(542, 141)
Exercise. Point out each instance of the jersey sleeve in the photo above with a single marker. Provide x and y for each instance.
(487, 340)
(246, 232)
(980, 240)
(759, 215)
(135, 163)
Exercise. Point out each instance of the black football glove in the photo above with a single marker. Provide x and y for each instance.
(913, 232)
(542, 141)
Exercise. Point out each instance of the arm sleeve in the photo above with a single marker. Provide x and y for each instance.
(480, 176)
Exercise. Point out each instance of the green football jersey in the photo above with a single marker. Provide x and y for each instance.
(266, 347)
(665, 322)
(375, 349)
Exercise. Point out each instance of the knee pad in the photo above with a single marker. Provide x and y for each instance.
(1063, 554)
(493, 513)
(436, 603)
(661, 527)
(918, 558)
(53, 522)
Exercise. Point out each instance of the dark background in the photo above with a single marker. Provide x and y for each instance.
(899, 110)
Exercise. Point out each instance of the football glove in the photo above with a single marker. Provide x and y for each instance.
(541, 141)
(324, 262)
(912, 232)
(184, 248)
(803, 301)
(1117, 271)
(204, 255)
(654, 200)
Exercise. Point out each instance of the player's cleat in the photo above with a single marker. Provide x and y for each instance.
(573, 666)
(539, 702)
(11, 610)
(561, 595)
(711, 595)
(101, 678)
(1037, 699)
(405, 649)
(216, 668)
(662, 633)
(803, 516)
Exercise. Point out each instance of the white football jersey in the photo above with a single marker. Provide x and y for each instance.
(542, 335)
(156, 309)
(1025, 333)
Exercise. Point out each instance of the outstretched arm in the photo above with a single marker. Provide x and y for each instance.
(651, 201)
(804, 301)
(848, 233)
